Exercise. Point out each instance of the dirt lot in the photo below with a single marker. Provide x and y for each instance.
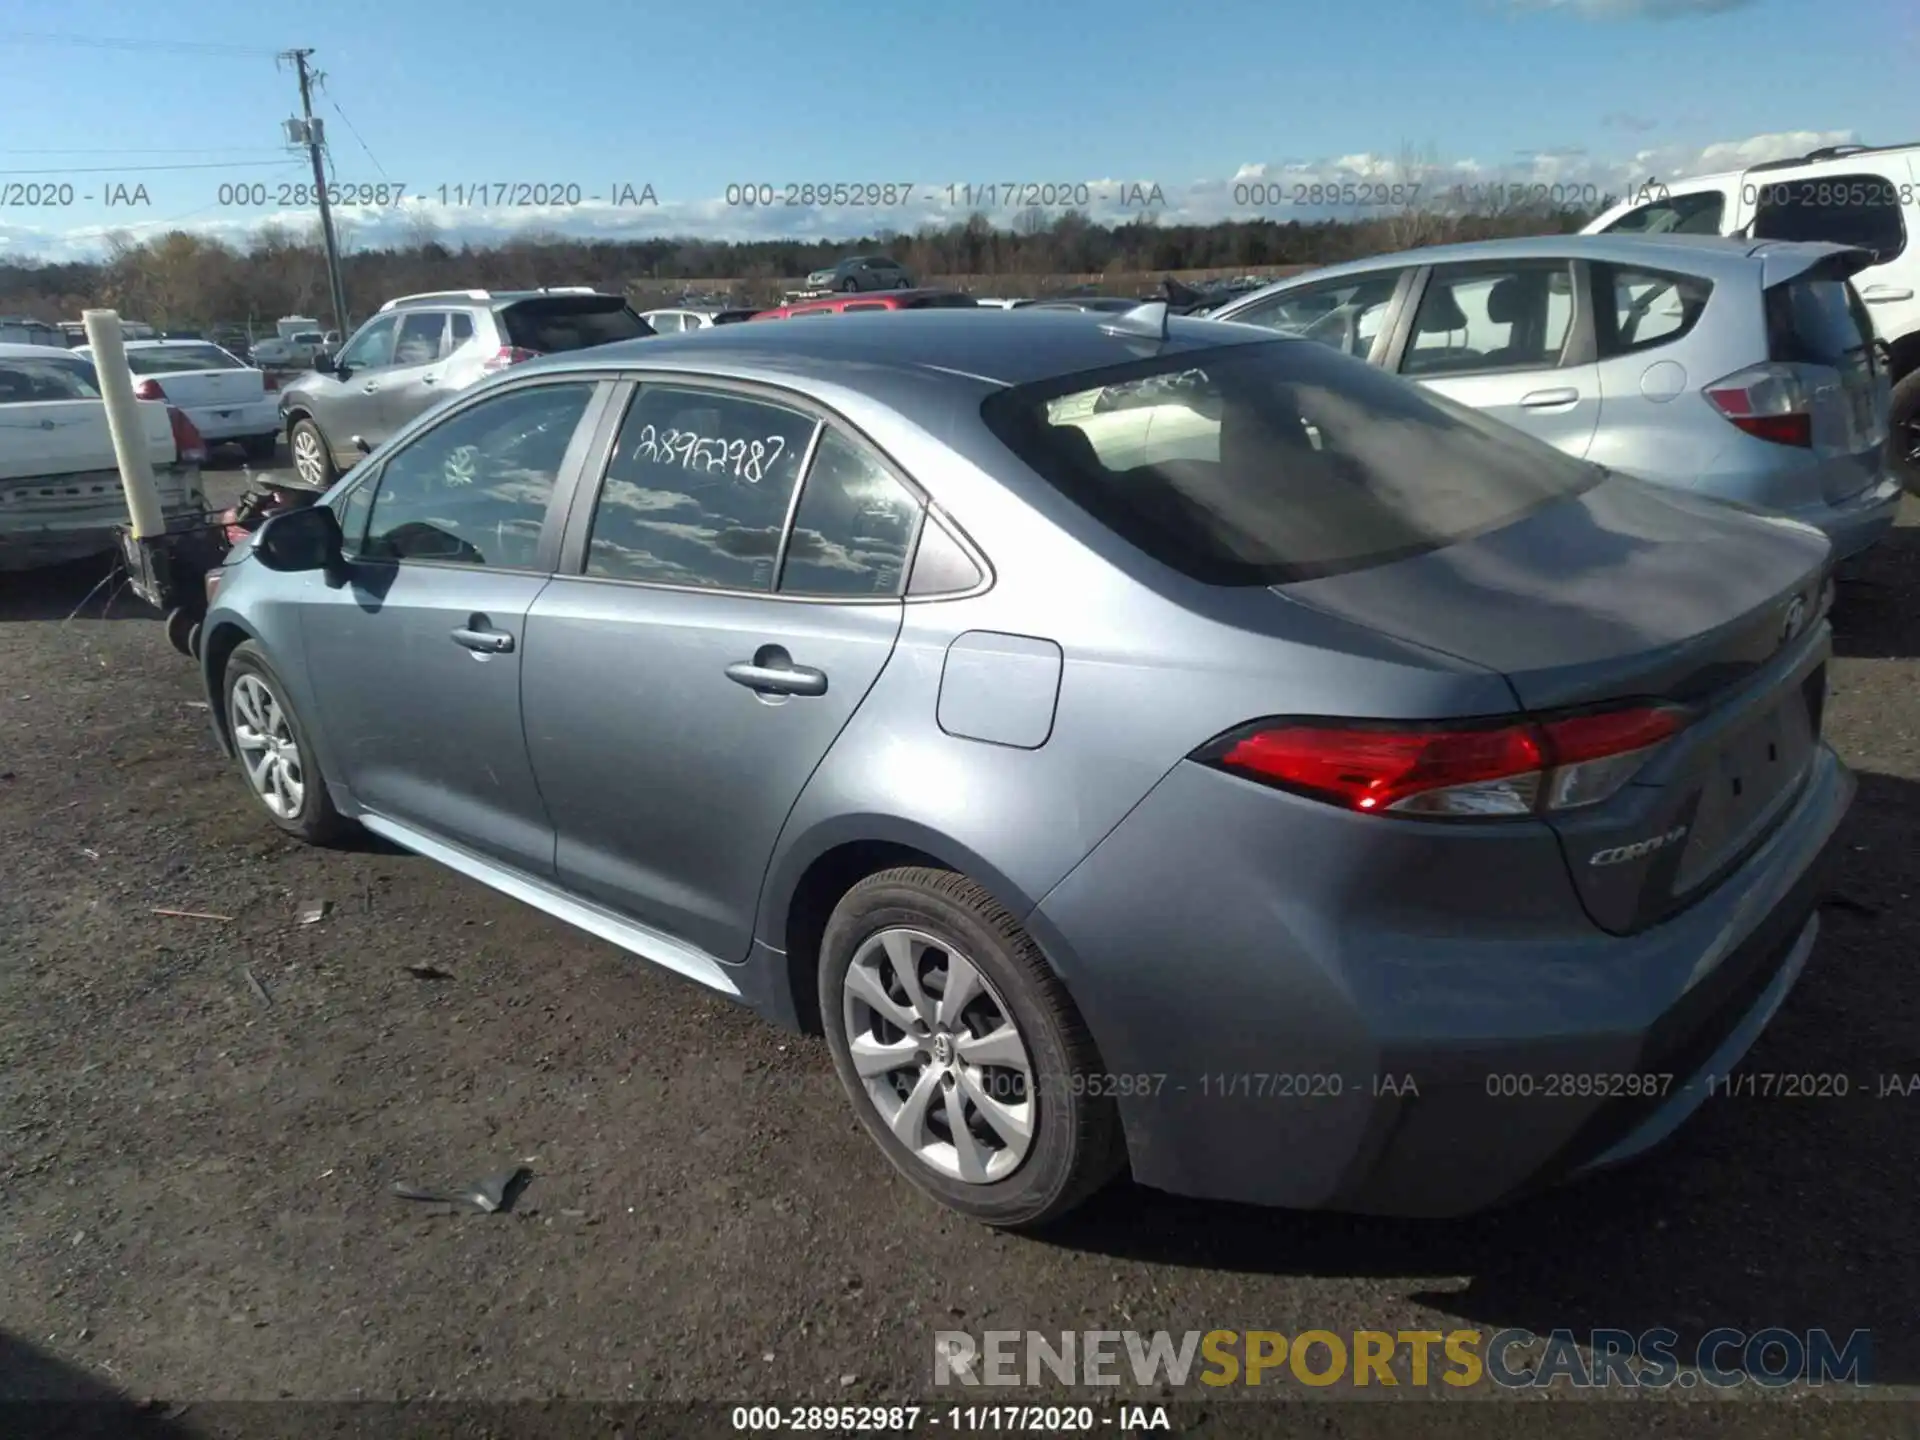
(196, 1176)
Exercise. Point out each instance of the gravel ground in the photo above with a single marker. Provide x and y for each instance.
(196, 1169)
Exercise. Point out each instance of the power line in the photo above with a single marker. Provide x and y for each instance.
(105, 42)
(363, 144)
(145, 169)
(163, 150)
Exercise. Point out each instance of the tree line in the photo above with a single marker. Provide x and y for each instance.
(185, 280)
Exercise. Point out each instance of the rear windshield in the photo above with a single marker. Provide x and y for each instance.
(571, 322)
(1264, 463)
(1819, 322)
(173, 359)
(943, 302)
(23, 381)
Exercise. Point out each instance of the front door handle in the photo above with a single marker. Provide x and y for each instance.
(368, 388)
(484, 642)
(429, 379)
(1543, 399)
(780, 678)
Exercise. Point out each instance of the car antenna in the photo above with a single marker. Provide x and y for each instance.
(1149, 319)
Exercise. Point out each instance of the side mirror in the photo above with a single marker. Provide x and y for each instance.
(300, 540)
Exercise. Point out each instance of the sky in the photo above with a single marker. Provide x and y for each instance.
(630, 118)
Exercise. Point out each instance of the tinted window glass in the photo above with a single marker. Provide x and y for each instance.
(25, 381)
(943, 302)
(474, 489)
(421, 335)
(571, 322)
(1273, 462)
(1513, 317)
(1697, 214)
(1859, 210)
(864, 305)
(460, 331)
(665, 323)
(1346, 314)
(1639, 308)
(853, 527)
(697, 490)
(372, 347)
(175, 359)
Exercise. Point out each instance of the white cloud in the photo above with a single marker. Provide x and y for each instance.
(1342, 185)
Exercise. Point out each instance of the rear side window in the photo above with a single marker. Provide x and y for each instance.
(866, 305)
(1639, 309)
(1861, 210)
(1697, 214)
(28, 381)
(571, 322)
(1270, 462)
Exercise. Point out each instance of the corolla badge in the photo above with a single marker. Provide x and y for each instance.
(1621, 854)
(1795, 619)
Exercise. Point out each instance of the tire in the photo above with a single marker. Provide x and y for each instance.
(849, 285)
(1074, 1144)
(1903, 433)
(312, 456)
(311, 815)
(260, 449)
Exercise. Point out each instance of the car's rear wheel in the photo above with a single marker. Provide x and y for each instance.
(312, 459)
(1903, 435)
(849, 285)
(963, 1055)
(275, 756)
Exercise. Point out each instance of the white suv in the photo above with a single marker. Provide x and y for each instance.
(1852, 194)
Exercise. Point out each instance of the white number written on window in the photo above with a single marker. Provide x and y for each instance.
(749, 460)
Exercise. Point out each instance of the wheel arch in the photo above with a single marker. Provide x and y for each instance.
(1905, 355)
(217, 644)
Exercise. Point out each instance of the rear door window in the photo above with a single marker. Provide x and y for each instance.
(422, 338)
(1481, 318)
(1269, 462)
(853, 528)
(1861, 210)
(557, 323)
(1640, 308)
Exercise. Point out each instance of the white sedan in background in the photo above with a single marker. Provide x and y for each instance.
(227, 399)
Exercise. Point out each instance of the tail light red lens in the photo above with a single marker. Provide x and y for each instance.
(187, 440)
(269, 381)
(1502, 768)
(149, 390)
(508, 355)
(1767, 401)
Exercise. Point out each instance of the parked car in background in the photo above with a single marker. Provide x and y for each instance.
(1333, 729)
(60, 491)
(862, 272)
(852, 305)
(997, 302)
(673, 321)
(1744, 370)
(421, 348)
(23, 330)
(1110, 303)
(291, 352)
(226, 399)
(1861, 195)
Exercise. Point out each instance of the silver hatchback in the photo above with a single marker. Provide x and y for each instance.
(1134, 743)
(1741, 369)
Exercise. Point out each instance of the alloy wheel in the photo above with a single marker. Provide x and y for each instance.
(939, 1055)
(263, 734)
(307, 458)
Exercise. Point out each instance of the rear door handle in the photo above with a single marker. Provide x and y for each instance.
(429, 379)
(1882, 294)
(368, 388)
(778, 679)
(1544, 399)
(484, 642)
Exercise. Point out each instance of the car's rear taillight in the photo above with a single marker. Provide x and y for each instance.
(1770, 401)
(507, 355)
(213, 585)
(187, 440)
(269, 381)
(149, 390)
(1507, 767)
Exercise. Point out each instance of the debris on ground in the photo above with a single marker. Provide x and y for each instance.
(429, 972)
(259, 990)
(193, 914)
(314, 911)
(487, 1195)
(1839, 901)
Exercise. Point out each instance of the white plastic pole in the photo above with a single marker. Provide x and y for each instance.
(130, 443)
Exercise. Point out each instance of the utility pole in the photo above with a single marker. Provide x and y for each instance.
(311, 134)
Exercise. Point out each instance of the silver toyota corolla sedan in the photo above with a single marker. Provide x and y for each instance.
(1136, 744)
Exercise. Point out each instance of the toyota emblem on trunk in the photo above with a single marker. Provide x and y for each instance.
(1796, 619)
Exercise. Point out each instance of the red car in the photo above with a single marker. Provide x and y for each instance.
(871, 300)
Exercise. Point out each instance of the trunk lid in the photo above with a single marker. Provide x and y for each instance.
(197, 376)
(46, 438)
(1624, 592)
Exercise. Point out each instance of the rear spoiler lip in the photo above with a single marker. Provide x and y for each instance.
(1785, 260)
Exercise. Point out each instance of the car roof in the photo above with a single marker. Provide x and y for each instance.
(1707, 253)
(16, 350)
(998, 348)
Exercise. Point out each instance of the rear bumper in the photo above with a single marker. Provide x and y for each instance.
(237, 422)
(1857, 523)
(54, 529)
(1280, 1034)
